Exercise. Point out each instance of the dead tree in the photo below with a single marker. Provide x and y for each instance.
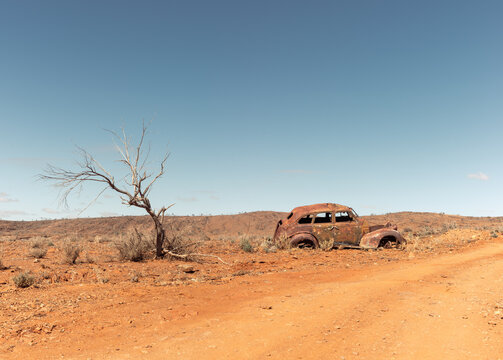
(134, 189)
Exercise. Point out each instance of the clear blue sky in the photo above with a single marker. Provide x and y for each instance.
(265, 105)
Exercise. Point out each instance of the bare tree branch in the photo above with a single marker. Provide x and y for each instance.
(90, 170)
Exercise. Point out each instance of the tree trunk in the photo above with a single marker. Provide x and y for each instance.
(159, 234)
(159, 240)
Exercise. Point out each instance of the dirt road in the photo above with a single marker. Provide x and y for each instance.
(445, 307)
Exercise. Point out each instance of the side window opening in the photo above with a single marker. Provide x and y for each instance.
(306, 219)
(342, 216)
(323, 218)
(289, 216)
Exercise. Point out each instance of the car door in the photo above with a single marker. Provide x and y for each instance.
(346, 229)
(323, 229)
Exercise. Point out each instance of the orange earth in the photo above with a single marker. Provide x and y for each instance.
(440, 298)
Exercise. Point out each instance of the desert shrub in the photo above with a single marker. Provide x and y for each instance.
(283, 242)
(426, 231)
(38, 243)
(71, 251)
(450, 226)
(183, 239)
(268, 245)
(23, 280)
(50, 243)
(134, 246)
(407, 230)
(245, 244)
(429, 244)
(416, 244)
(2, 266)
(38, 253)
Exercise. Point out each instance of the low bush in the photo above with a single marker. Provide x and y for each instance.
(268, 245)
(23, 280)
(38, 253)
(450, 226)
(283, 242)
(182, 241)
(245, 245)
(38, 243)
(71, 251)
(426, 231)
(134, 247)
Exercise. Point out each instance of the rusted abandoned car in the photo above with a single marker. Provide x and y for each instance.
(332, 225)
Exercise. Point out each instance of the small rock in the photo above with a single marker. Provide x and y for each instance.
(188, 269)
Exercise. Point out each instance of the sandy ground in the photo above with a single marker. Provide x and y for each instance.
(297, 305)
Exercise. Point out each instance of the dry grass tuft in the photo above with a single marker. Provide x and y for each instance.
(283, 242)
(245, 244)
(38, 243)
(184, 240)
(268, 245)
(134, 246)
(450, 239)
(71, 251)
(23, 280)
(38, 253)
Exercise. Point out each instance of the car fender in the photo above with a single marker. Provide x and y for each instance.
(372, 239)
(295, 239)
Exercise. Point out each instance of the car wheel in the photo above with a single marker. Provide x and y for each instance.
(305, 244)
(303, 241)
(388, 242)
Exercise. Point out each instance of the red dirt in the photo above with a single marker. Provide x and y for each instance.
(442, 301)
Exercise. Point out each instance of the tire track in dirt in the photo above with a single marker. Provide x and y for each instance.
(429, 309)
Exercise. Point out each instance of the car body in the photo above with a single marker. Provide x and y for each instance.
(330, 225)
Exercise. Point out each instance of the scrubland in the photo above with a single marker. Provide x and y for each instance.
(91, 288)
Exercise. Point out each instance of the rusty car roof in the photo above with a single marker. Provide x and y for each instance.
(320, 207)
(300, 210)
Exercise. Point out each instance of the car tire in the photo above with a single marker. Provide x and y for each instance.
(304, 241)
(390, 242)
